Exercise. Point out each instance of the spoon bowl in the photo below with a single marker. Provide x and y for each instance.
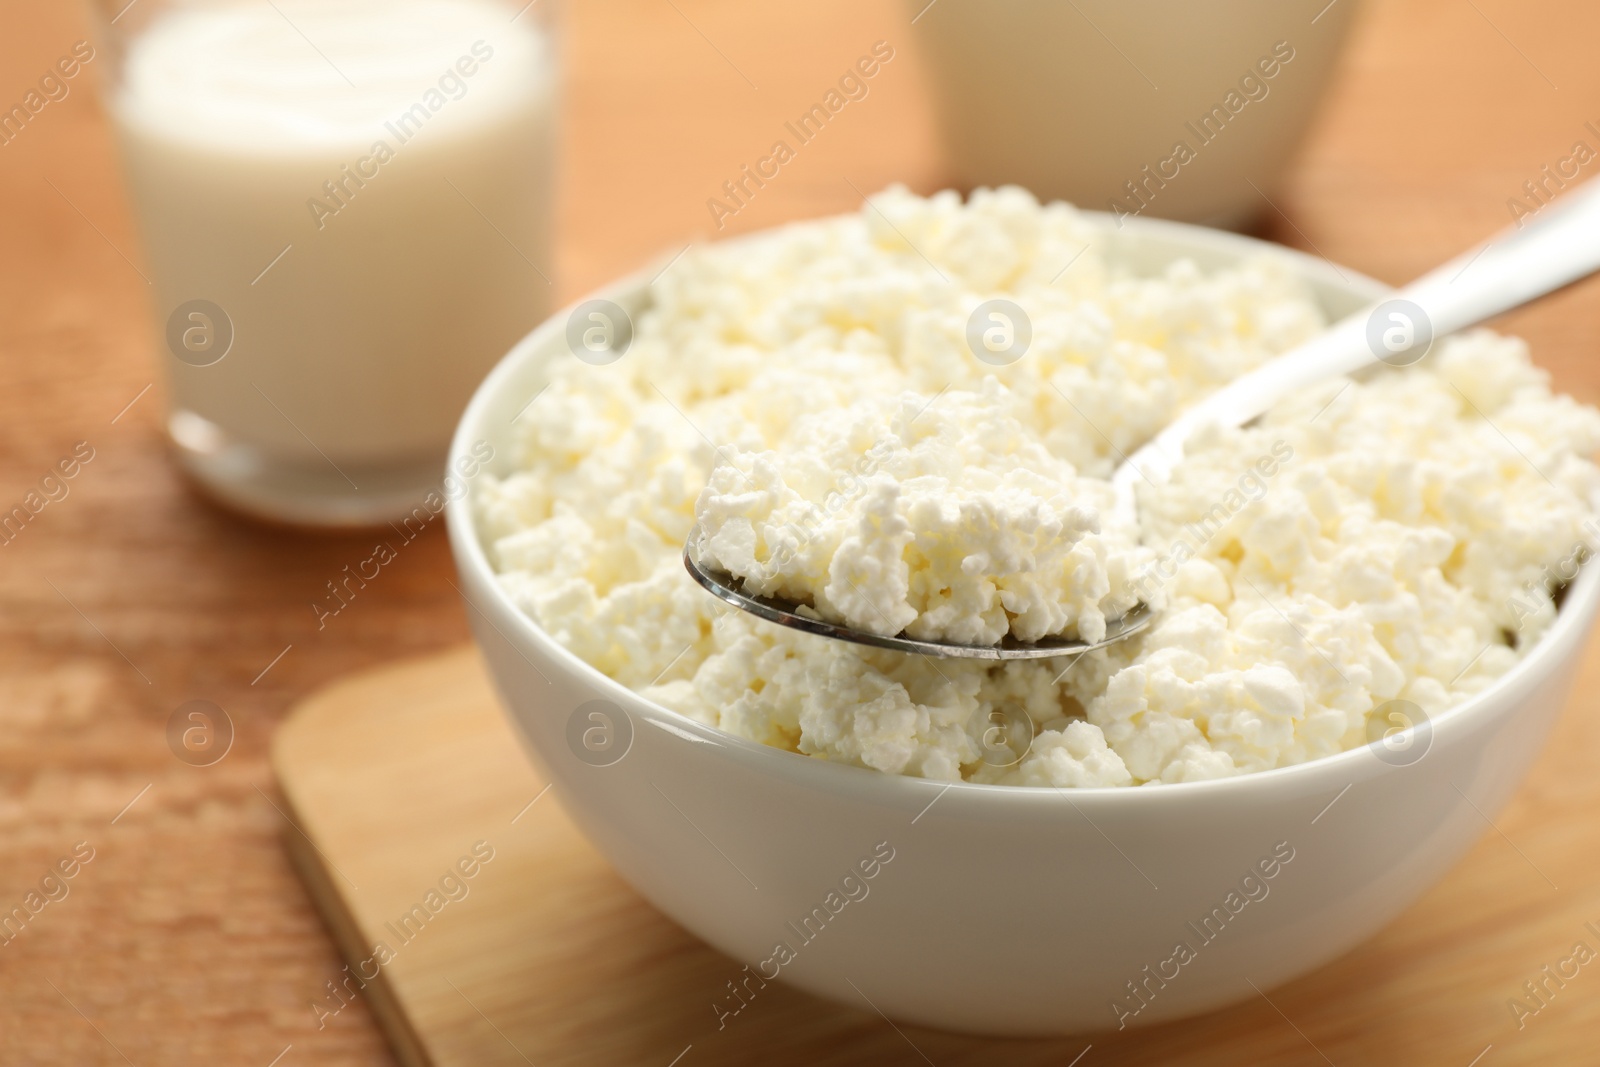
(798, 616)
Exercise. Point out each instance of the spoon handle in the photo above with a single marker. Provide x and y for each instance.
(1521, 263)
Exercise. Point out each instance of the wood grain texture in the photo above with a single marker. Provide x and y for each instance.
(547, 957)
(188, 938)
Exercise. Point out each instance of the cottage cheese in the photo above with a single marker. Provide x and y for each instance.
(1400, 551)
(808, 396)
(946, 518)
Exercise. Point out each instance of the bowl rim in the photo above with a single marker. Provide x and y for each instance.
(471, 558)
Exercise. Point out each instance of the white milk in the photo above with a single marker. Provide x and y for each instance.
(400, 150)
(1089, 102)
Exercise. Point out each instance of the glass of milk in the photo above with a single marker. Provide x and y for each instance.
(346, 208)
(1169, 108)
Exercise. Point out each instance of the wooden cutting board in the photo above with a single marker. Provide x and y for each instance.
(407, 781)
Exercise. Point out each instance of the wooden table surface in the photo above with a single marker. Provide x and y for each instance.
(187, 938)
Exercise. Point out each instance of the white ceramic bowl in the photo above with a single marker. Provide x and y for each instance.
(1004, 910)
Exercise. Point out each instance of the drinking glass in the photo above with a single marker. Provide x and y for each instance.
(345, 207)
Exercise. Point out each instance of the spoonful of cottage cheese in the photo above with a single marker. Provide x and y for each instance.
(939, 525)
(946, 526)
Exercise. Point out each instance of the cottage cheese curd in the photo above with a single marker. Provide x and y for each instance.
(946, 518)
(809, 398)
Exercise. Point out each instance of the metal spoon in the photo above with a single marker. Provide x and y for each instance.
(788, 613)
(1516, 266)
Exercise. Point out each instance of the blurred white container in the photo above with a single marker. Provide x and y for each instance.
(1172, 108)
(345, 206)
